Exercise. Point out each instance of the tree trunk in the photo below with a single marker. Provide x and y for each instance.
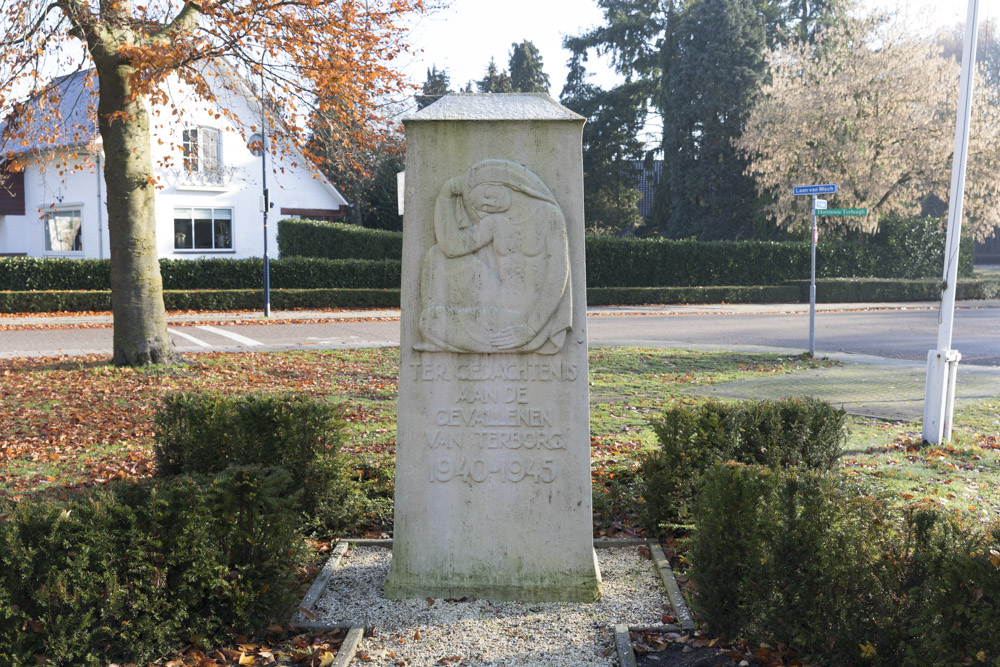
(140, 322)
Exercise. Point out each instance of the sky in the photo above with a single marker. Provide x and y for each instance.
(462, 38)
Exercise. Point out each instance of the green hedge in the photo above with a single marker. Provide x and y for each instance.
(827, 291)
(902, 249)
(207, 432)
(281, 299)
(800, 557)
(31, 273)
(132, 572)
(336, 240)
(627, 296)
(859, 290)
(791, 432)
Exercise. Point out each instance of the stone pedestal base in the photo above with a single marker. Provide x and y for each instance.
(563, 587)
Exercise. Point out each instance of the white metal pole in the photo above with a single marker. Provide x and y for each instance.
(937, 402)
(813, 232)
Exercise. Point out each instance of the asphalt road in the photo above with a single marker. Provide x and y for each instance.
(892, 332)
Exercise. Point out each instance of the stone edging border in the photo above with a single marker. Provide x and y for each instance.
(623, 642)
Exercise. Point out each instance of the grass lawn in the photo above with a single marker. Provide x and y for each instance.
(69, 423)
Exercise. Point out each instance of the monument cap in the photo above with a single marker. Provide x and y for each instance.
(495, 106)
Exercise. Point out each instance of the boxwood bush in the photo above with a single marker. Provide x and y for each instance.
(131, 572)
(842, 576)
(205, 432)
(791, 432)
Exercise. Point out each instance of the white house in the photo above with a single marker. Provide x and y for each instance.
(209, 200)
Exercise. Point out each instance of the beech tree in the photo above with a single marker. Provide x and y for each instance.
(872, 109)
(340, 49)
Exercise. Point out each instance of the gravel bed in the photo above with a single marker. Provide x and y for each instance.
(482, 633)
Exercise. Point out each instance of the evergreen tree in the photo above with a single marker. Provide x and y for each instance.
(435, 87)
(495, 81)
(717, 71)
(611, 147)
(379, 201)
(662, 46)
(526, 74)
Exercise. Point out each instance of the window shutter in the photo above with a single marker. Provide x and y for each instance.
(210, 150)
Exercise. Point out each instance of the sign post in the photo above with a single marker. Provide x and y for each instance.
(829, 188)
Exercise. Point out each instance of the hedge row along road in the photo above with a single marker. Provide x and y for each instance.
(891, 331)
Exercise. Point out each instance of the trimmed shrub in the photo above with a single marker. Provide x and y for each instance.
(335, 240)
(632, 262)
(795, 556)
(791, 432)
(903, 248)
(952, 592)
(859, 290)
(28, 273)
(131, 572)
(625, 296)
(286, 273)
(284, 299)
(46, 273)
(805, 558)
(208, 432)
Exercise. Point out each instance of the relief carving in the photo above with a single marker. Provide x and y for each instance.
(497, 279)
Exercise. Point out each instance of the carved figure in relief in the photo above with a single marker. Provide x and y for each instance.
(498, 278)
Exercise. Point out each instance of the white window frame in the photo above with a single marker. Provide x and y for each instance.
(191, 217)
(48, 214)
(199, 162)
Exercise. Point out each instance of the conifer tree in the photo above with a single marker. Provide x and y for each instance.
(495, 81)
(526, 73)
(435, 87)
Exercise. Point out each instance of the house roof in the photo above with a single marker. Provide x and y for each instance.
(63, 117)
(66, 117)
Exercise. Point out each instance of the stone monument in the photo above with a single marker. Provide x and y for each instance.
(493, 494)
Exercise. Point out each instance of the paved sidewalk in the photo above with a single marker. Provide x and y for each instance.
(870, 386)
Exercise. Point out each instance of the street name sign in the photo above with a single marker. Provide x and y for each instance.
(820, 203)
(842, 211)
(827, 189)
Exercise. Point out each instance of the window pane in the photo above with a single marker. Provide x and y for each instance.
(210, 149)
(63, 231)
(203, 228)
(190, 150)
(223, 229)
(183, 236)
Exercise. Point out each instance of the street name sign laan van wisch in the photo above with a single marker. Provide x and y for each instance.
(842, 211)
(826, 189)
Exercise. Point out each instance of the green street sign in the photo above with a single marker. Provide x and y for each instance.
(841, 211)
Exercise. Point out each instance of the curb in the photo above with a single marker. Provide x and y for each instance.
(623, 646)
(681, 611)
(299, 619)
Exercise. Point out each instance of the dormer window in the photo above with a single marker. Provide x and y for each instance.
(200, 146)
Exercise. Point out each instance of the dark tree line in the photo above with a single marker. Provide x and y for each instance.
(368, 179)
(692, 68)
